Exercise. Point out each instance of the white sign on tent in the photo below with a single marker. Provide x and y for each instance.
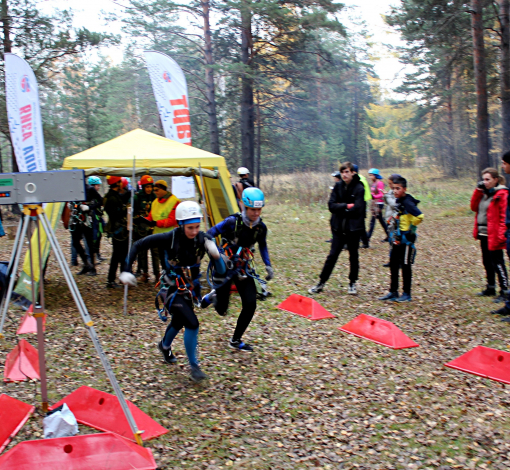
(183, 187)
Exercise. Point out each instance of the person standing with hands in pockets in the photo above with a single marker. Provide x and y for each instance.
(347, 206)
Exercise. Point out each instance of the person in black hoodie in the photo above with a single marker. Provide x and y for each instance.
(116, 228)
(347, 206)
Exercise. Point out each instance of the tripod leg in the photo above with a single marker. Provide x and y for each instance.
(89, 324)
(13, 272)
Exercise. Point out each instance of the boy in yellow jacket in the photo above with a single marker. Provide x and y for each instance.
(403, 237)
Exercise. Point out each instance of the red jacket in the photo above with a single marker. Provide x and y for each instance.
(496, 227)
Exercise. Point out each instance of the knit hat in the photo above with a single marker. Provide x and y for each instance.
(111, 180)
(162, 184)
(506, 157)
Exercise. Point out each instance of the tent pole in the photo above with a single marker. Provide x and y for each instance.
(204, 202)
(130, 228)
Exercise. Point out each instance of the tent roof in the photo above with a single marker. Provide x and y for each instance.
(150, 150)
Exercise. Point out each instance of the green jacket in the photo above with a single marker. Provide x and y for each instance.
(368, 194)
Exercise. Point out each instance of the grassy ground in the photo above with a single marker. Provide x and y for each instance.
(310, 396)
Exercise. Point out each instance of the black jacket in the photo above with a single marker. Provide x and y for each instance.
(348, 220)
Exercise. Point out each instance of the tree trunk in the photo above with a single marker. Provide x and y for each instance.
(259, 143)
(209, 81)
(504, 6)
(452, 157)
(247, 112)
(482, 113)
(6, 26)
(355, 106)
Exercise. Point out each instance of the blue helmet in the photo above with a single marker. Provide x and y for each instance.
(93, 180)
(253, 197)
(376, 173)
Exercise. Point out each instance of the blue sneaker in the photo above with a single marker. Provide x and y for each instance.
(240, 346)
(389, 296)
(208, 299)
(403, 298)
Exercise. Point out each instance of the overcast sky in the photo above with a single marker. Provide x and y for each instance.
(88, 14)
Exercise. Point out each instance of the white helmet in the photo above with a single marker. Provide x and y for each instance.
(188, 212)
(243, 171)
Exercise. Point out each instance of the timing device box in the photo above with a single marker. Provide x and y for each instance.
(42, 186)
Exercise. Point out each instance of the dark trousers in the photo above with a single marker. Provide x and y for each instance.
(377, 216)
(248, 293)
(401, 257)
(363, 235)
(494, 263)
(143, 258)
(350, 239)
(80, 231)
(119, 254)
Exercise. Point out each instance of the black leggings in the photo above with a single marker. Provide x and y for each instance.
(248, 292)
(494, 262)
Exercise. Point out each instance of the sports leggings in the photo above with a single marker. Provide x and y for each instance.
(248, 292)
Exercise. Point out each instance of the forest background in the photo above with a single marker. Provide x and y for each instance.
(278, 86)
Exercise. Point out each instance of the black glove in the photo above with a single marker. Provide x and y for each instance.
(150, 223)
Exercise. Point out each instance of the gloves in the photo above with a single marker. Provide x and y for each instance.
(270, 273)
(127, 279)
(84, 207)
(212, 249)
(150, 223)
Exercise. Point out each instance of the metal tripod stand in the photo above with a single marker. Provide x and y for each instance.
(35, 214)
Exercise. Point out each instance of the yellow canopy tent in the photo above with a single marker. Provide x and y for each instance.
(159, 156)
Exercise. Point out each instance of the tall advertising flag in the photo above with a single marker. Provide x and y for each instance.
(171, 93)
(24, 114)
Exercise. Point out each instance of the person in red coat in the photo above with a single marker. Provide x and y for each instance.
(489, 201)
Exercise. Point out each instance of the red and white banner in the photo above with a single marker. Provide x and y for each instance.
(171, 93)
(24, 114)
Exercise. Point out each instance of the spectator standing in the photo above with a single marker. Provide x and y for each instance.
(489, 201)
(347, 206)
(377, 203)
(505, 310)
(391, 208)
(367, 197)
(403, 237)
(141, 227)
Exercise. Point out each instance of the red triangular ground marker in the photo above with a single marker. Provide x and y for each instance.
(28, 323)
(305, 307)
(485, 362)
(379, 331)
(13, 415)
(92, 451)
(102, 411)
(22, 363)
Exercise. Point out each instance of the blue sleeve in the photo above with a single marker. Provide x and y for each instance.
(411, 207)
(224, 226)
(264, 253)
(152, 241)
